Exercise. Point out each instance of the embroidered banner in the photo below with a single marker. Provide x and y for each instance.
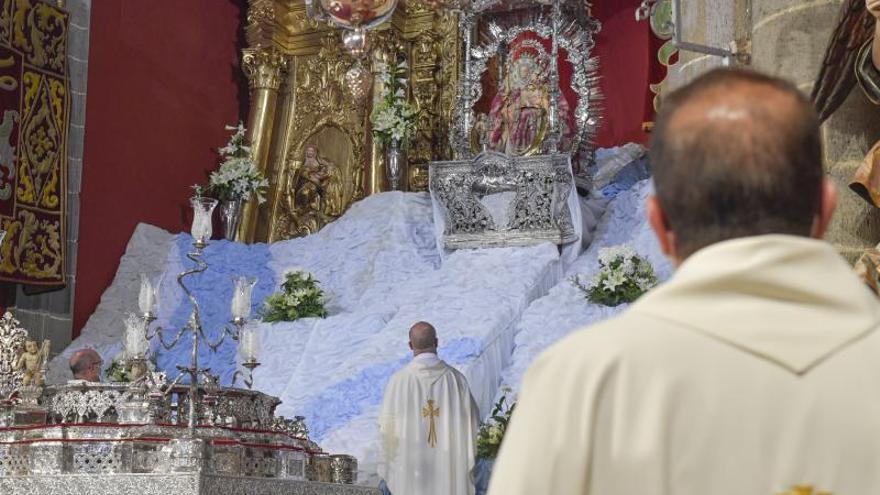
(34, 107)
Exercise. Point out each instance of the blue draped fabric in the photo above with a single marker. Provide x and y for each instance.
(213, 290)
(337, 404)
(631, 173)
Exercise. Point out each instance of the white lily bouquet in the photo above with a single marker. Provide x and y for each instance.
(393, 117)
(622, 278)
(238, 177)
(300, 297)
(492, 432)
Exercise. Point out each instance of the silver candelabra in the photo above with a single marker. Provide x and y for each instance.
(237, 329)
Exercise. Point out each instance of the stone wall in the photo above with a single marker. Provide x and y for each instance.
(788, 39)
(714, 23)
(50, 315)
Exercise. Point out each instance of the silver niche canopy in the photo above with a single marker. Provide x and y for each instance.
(512, 180)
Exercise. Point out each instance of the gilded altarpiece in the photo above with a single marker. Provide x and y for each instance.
(34, 103)
(307, 132)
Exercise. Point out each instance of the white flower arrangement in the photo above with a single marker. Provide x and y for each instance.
(300, 297)
(238, 176)
(623, 277)
(492, 432)
(393, 117)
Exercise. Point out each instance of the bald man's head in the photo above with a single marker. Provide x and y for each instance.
(85, 364)
(422, 338)
(736, 154)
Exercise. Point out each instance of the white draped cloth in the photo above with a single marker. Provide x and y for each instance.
(428, 426)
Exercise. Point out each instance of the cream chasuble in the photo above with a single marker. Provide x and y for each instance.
(428, 425)
(756, 368)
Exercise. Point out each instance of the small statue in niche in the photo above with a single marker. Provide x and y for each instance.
(32, 363)
(313, 176)
(315, 192)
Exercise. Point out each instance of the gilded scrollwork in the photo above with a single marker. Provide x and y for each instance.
(264, 67)
(425, 55)
(260, 17)
(300, 22)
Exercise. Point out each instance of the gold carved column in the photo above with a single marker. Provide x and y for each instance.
(308, 135)
(265, 68)
(433, 47)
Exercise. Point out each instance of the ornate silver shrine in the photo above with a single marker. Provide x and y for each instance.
(238, 439)
(99, 438)
(497, 200)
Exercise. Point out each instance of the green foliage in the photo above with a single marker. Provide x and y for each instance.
(300, 297)
(492, 432)
(116, 372)
(393, 117)
(622, 278)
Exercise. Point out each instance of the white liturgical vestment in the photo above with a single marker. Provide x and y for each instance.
(428, 425)
(754, 369)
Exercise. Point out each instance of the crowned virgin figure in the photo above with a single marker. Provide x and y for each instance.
(520, 109)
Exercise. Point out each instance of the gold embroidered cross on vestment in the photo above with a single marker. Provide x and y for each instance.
(431, 411)
(804, 490)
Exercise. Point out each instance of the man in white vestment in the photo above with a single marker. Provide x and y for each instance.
(428, 424)
(756, 368)
(85, 364)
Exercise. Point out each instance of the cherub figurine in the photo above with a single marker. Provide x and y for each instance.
(32, 361)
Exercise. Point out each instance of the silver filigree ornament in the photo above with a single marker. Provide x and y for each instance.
(12, 340)
(496, 200)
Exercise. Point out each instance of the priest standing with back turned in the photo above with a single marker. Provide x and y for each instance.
(756, 368)
(428, 424)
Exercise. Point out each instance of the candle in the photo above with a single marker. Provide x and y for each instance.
(249, 342)
(203, 208)
(241, 296)
(147, 295)
(136, 344)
